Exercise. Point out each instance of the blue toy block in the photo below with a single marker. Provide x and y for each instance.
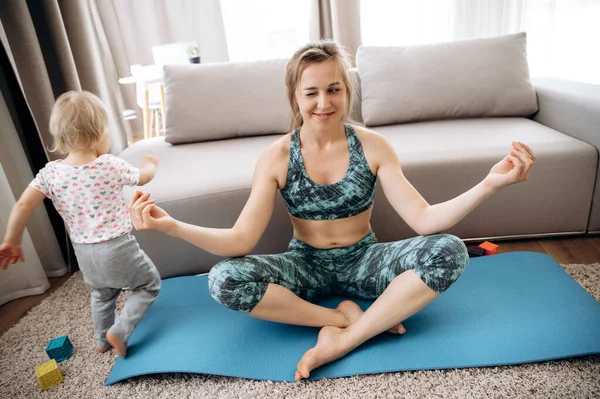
(59, 348)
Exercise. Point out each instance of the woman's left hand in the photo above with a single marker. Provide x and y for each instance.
(514, 168)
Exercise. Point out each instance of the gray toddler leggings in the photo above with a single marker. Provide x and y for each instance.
(108, 267)
(363, 270)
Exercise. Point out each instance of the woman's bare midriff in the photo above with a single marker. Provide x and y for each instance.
(333, 233)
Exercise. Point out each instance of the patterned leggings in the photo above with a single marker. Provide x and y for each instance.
(362, 270)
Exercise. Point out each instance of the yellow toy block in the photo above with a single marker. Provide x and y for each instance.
(48, 374)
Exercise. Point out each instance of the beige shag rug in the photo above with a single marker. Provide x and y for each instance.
(67, 312)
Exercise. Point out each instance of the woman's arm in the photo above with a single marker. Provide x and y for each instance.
(427, 219)
(236, 241)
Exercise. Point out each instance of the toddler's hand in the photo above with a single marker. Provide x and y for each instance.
(150, 160)
(10, 254)
(145, 215)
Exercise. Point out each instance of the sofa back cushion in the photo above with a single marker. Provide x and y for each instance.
(468, 78)
(356, 112)
(224, 100)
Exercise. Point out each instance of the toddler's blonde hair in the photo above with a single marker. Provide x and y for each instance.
(78, 121)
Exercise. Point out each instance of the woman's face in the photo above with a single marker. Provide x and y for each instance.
(321, 95)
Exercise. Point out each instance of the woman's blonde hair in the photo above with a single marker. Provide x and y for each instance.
(314, 53)
(78, 121)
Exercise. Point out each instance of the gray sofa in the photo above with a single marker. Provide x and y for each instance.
(450, 110)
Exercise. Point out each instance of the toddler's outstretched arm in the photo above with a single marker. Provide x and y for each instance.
(10, 249)
(148, 169)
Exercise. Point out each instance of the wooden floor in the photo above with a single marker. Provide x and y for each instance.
(582, 249)
(11, 312)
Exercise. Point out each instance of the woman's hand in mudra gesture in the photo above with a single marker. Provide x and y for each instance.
(146, 215)
(513, 168)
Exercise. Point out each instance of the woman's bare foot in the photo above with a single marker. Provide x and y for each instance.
(116, 343)
(331, 345)
(353, 312)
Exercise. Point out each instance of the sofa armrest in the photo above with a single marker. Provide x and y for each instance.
(572, 108)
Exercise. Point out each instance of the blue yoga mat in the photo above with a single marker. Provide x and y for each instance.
(512, 308)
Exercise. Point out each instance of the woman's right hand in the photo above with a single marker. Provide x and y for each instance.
(145, 215)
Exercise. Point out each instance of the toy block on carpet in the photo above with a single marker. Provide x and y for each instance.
(59, 348)
(48, 374)
(490, 248)
(475, 251)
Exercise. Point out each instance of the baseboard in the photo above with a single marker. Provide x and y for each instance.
(57, 273)
(22, 293)
(526, 236)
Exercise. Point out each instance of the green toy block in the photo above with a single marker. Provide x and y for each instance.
(59, 348)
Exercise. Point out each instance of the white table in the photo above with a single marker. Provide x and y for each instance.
(143, 77)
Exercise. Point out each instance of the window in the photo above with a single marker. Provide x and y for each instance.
(562, 35)
(406, 22)
(262, 29)
(563, 40)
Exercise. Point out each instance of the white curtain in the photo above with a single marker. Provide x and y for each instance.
(254, 33)
(225, 30)
(133, 27)
(338, 20)
(14, 177)
(142, 24)
(20, 279)
(562, 35)
(41, 250)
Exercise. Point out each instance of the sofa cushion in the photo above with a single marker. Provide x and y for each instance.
(224, 100)
(469, 78)
(208, 184)
(198, 169)
(356, 112)
(443, 159)
(205, 184)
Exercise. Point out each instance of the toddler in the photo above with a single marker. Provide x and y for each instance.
(86, 190)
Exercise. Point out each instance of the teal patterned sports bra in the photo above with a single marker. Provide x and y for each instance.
(348, 197)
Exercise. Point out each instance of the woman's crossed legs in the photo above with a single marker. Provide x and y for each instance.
(402, 277)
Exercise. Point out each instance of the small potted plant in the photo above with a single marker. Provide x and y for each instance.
(193, 53)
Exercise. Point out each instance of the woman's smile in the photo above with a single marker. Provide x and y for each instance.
(323, 116)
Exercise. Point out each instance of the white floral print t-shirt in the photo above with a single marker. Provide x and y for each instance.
(90, 197)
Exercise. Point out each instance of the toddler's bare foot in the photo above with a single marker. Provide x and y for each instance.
(116, 343)
(353, 312)
(101, 350)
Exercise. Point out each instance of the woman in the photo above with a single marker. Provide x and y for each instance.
(326, 170)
